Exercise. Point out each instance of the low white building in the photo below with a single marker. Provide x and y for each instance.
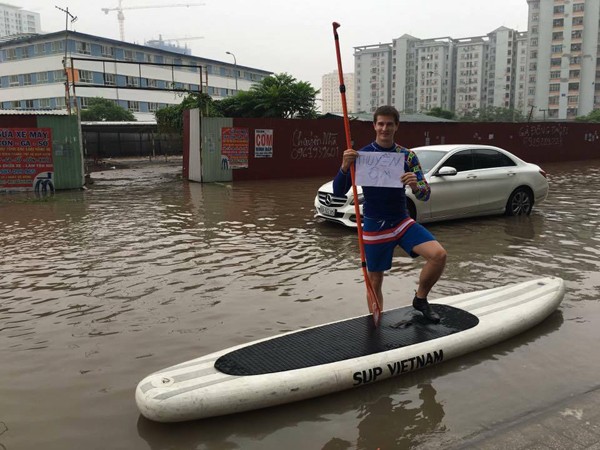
(136, 77)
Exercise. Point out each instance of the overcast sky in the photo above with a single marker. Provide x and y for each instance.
(280, 35)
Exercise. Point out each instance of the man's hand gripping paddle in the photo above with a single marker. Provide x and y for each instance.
(372, 299)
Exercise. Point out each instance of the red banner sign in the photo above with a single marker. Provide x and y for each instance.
(26, 159)
(234, 148)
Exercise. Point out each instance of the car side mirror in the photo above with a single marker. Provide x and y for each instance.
(446, 171)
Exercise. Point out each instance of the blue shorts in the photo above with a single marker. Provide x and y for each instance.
(382, 236)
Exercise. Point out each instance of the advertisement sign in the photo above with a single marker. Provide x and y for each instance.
(263, 143)
(235, 143)
(26, 159)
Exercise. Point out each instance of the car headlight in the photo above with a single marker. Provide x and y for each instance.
(361, 199)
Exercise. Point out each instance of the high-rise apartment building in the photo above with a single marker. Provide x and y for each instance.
(562, 58)
(330, 92)
(435, 74)
(416, 75)
(15, 20)
(471, 55)
(372, 76)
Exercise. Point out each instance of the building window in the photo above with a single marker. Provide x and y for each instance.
(576, 34)
(128, 55)
(15, 104)
(558, 23)
(574, 73)
(555, 87)
(11, 54)
(59, 75)
(108, 50)
(57, 46)
(559, 9)
(133, 106)
(85, 76)
(573, 86)
(554, 74)
(84, 48)
(60, 102)
(44, 103)
(132, 81)
(25, 52)
(578, 7)
(573, 98)
(109, 79)
(27, 79)
(41, 77)
(557, 36)
(40, 49)
(557, 48)
(575, 60)
(555, 62)
(153, 107)
(83, 102)
(13, 80)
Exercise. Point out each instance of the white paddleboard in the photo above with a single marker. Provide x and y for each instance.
(344, 354)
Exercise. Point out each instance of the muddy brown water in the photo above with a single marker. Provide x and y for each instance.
(99, 288)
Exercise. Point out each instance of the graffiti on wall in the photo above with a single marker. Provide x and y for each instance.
(542, 135)
(310, 145)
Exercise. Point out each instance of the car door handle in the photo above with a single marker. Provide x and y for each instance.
(511, 174)
(470, 177)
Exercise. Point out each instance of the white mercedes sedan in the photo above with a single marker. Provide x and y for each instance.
(466, 181)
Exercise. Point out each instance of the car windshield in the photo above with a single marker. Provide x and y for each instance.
(429, 158)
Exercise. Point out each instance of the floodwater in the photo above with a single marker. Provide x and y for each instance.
(99, 288)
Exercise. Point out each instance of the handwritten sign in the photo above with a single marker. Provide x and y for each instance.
(380, 169)
(26, 158)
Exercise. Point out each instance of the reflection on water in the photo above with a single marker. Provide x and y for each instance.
(98, 288)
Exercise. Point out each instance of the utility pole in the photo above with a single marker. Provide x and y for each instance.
(73, 18)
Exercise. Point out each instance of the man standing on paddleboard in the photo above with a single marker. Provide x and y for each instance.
(386, 222)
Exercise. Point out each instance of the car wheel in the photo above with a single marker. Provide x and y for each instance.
(519, 203)
(412, 210)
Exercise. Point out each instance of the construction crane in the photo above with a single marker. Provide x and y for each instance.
(121, 16)
(161, 40)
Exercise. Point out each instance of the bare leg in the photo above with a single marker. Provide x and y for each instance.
(376, 279)
(435, 261)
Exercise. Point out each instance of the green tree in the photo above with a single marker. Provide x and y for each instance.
(440, 112)
(593, 116)
(493, 114)
(101, 109)
(276, 96)
(170, 118)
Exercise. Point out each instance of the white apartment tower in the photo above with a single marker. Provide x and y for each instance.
(330, 92)
(15, 20)
(501, 69)
(520, 60)
(562, 58)
(470, 74)
(404, 73)
(372, 77)
(435, 74)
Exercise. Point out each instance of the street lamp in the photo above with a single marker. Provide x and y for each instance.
(236, 71)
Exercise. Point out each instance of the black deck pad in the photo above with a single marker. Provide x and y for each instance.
(348, 339)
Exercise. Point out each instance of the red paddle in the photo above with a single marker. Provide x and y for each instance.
(372, 299)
